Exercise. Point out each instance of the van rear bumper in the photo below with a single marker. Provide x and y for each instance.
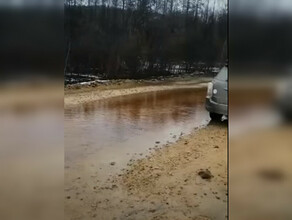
(215, 107)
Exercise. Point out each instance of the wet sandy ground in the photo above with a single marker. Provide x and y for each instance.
(164, 185)
(260, 173)
(148, 156)
(90, 94)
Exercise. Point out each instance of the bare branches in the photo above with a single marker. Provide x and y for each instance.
(140, 38)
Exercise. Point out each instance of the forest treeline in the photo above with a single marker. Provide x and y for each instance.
(143, 38)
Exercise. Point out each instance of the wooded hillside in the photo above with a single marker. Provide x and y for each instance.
(143, 38)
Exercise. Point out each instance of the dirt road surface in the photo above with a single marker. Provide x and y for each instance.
(88, 94)
(185, 180)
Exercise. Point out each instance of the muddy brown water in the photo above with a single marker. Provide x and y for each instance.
(101, 137)
(116, 129)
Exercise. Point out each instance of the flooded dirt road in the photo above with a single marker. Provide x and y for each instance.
(103, 137)
(115, 129)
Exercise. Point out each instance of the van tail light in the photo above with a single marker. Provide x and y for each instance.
(210, 89)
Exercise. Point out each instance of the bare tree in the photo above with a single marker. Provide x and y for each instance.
(140, 38)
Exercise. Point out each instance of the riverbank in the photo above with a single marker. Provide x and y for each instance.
(78, 94)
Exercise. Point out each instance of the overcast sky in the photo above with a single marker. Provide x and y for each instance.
(261, 7)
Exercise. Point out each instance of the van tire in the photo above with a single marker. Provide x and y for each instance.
(215, 116)
(287, 116)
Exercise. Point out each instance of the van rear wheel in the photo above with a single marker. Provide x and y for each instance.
(215, 116)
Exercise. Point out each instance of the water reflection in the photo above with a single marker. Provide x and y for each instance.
(157, 106)
(134, 121)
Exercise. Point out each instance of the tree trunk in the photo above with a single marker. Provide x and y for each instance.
(67, 56)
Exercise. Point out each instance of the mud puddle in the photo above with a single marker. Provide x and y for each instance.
(102, 137)
(117, 129)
